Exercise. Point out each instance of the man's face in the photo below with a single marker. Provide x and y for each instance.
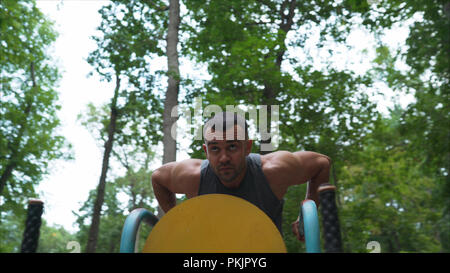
(227, 156)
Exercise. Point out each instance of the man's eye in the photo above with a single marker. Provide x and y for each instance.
(214, 149)
(232, 147)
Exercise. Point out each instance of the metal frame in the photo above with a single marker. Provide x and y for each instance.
(129, 240)
(308, 227)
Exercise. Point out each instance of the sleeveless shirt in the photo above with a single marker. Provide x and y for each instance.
(253, 188)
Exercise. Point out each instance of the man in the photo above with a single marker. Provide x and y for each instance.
(230, 168)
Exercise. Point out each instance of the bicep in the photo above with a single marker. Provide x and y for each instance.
(162, 177)
(311, 163)
(287, 169)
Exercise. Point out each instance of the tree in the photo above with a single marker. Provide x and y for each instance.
(247, 44)
(110, 229)
(136, 187)
(173, 88)
(425, 123)
(433, 99)
(387, 198)
(11, 232)
(28, 102)
(54, 239)
(122, 53)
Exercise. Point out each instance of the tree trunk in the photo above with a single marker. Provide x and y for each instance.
(94, 228)
(266, 138)
(169, 141)
(7, 174)
(270, 91)
(133, 192)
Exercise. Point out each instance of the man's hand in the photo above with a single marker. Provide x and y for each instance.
(294, 226)
(176, 177)
(312, 192)
(296, 223)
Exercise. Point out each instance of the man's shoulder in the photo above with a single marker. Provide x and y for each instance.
(279, 168)
(278, 160)
(187, 176)
(189, 166)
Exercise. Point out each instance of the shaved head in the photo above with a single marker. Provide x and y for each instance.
(226, 125)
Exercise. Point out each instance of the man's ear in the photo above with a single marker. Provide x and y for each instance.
(248, 146)
(205, 149)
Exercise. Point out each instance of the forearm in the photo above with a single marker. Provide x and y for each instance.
(165, 197)
(321, 177)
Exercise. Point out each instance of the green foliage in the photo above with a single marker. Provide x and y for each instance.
(425, 125)
(110, 223)
(125, 41)
(54, 239)
(11, 232)
(28, 103)
(123, 49)
(385, 192)
(387, 198)
(246, 44)
(134, 114)
(137, 188)
(291, 209)
(392, 172)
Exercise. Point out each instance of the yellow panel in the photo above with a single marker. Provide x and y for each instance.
(214, 223)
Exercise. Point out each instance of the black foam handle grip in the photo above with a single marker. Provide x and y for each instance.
(32, 226)
(330, 220)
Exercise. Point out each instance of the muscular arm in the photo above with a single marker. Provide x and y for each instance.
(317, 169)
(161, 182)
(176, 177)
(285, 169)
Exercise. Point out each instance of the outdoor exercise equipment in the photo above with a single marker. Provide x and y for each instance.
(128, 242)
(32, 226)
(309, 226)
(330, 220)
(215, 223)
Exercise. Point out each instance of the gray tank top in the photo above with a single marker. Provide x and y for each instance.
(253, 188)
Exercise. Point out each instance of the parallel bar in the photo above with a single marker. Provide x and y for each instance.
(330, 220)
(131, 227)
(32, 226)
(309, 222)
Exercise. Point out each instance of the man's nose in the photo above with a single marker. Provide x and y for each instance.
(224, 157)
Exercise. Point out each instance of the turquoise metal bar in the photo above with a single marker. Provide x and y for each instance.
(309, 227)
(131, 227)
(310, 218)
